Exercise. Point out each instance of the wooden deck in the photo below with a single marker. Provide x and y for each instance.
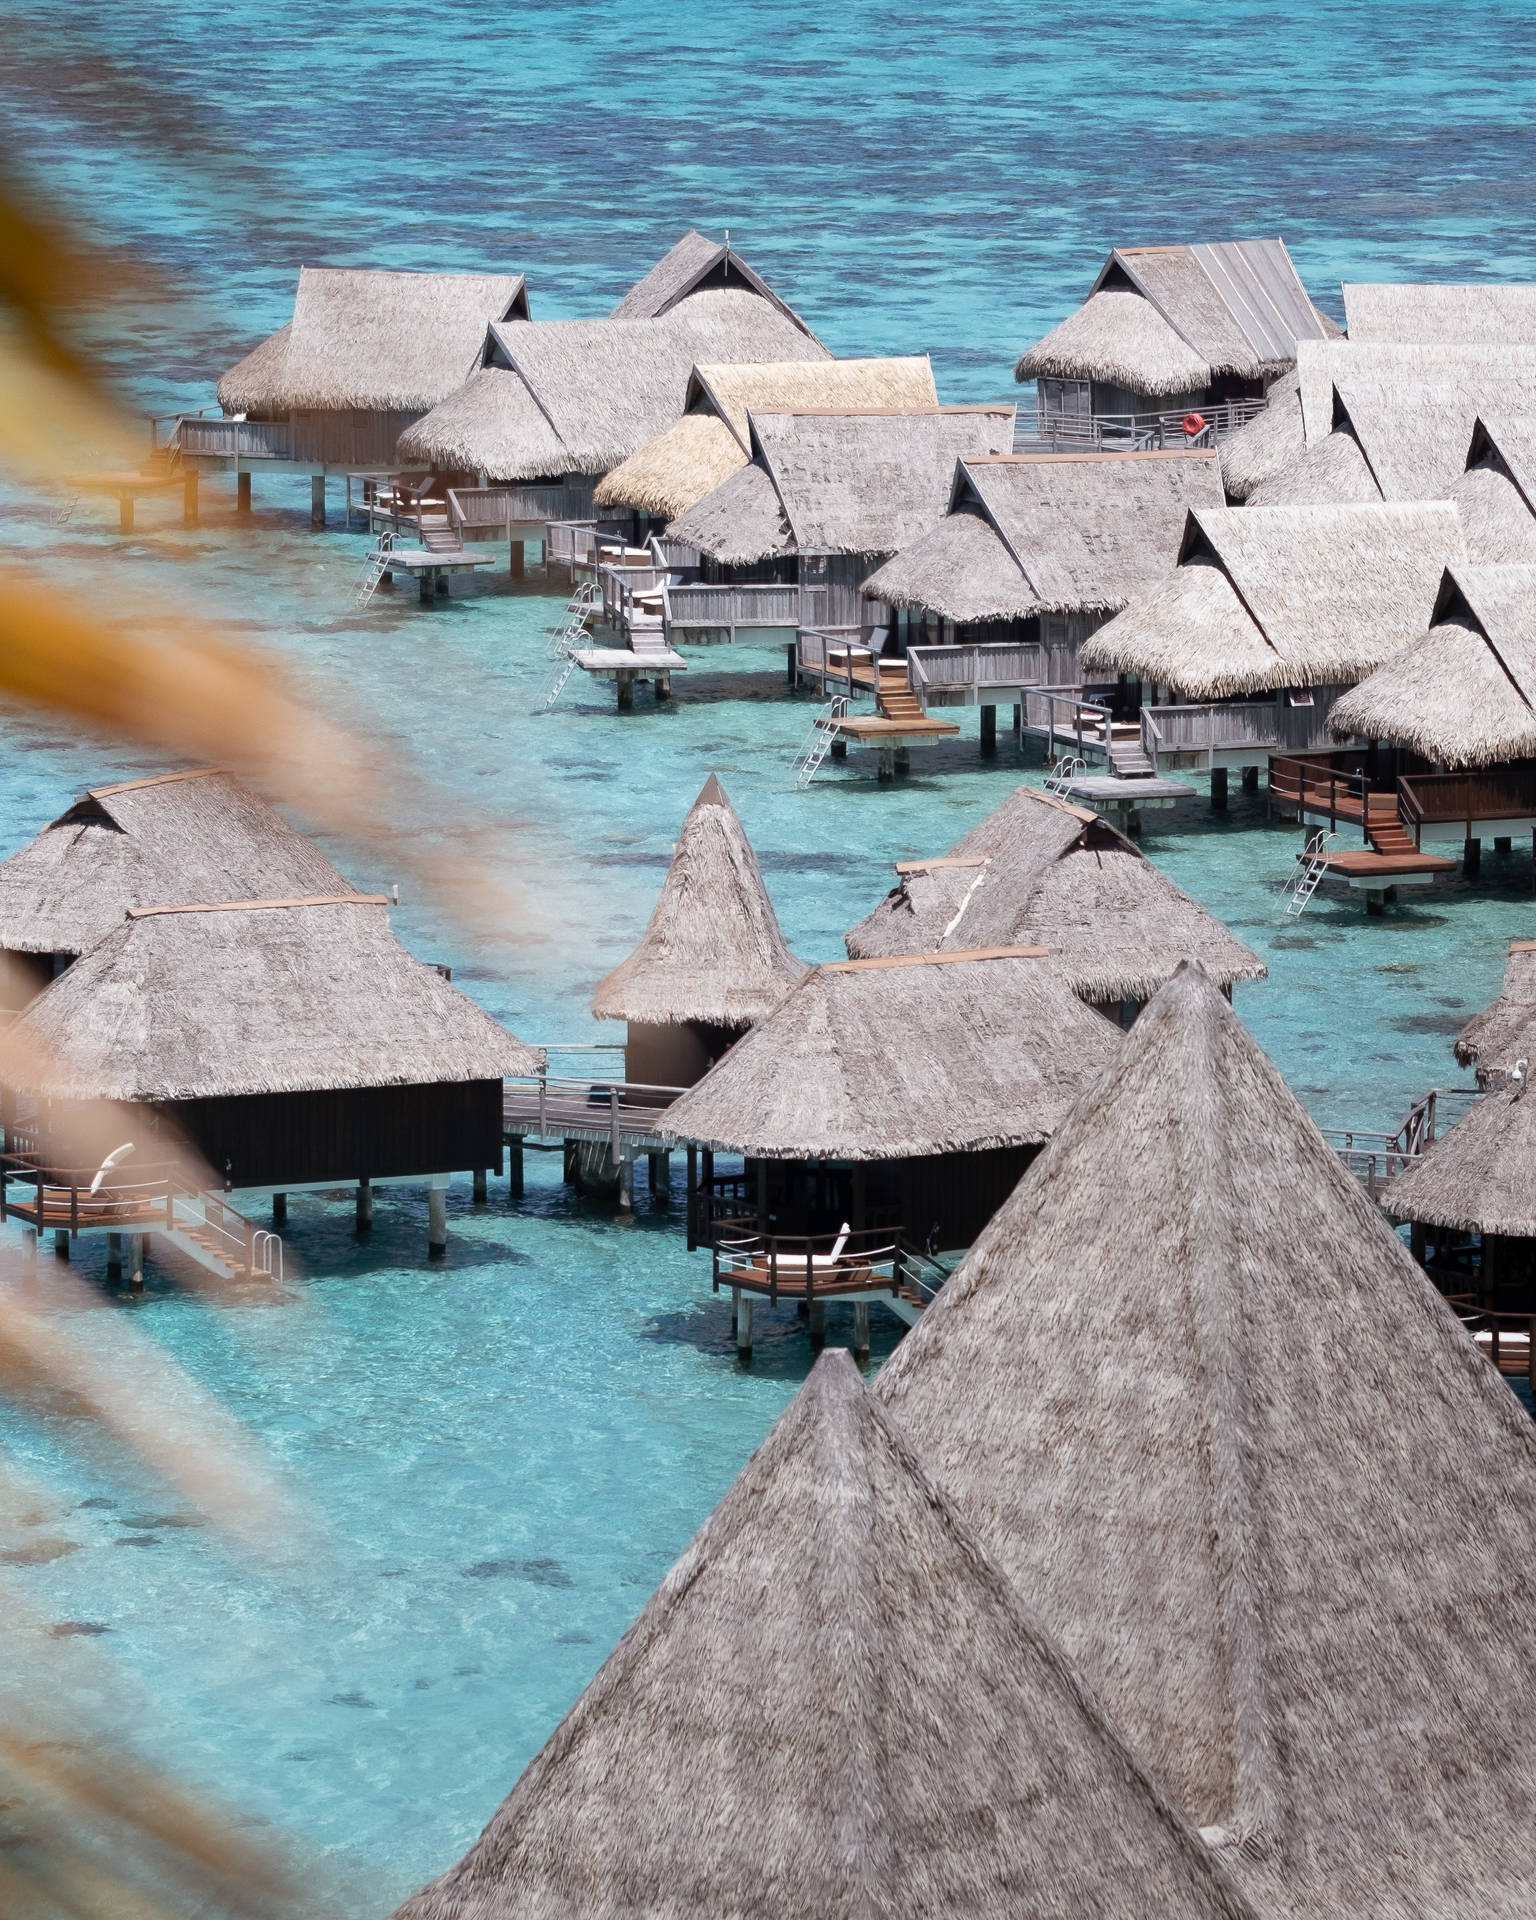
(876, 729)
(1364, 867)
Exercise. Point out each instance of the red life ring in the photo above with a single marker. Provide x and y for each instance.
(1193, 423)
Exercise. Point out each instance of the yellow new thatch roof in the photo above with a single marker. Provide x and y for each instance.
(695, 454)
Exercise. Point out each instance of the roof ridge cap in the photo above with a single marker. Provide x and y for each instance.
(248, 906)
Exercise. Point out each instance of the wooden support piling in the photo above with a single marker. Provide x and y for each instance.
(989, 729)
(317, 500)
(138, 1244)
(792, 664)
(279, 1209)
(744, 1306)
(515, 1169)
(29, 1252)
(114, 1256)
(626, 1171)
(626, 691)
(517, 559)
(861, 1329)
(839, 751)
(817, 1323)
(659, 1167)
(1471, 858)
(1250, 779)
(1501, 843)
(478, 1187)
(1219, 789)
(693, 1198)
(61, 1243)
(437, 1222)
(242, 493)
(364, 1206)
(189, 497)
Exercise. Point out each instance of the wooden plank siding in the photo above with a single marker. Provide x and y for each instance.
(346, 1134)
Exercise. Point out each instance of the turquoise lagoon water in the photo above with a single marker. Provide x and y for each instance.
(493, 1460)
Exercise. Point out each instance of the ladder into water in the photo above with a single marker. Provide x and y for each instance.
(818, 743)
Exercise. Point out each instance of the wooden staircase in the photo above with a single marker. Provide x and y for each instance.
(894, 699)
(1384, 826)
(438, 534)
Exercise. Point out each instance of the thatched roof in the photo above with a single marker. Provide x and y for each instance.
(372, 340)
(1121, 339)
(1477, 1177)
(1428, 315)
(276, 996)
(713, 952)
(1071, 532)
(713, 439)
(834, 1706)
(697, 264)
(1236, 307)
(1269, 597)
(1505, 1031)
(1268, 443)
(1466, 694)
(579, 396)
(842, 481)
(1039, 870)
(888, 1059)
(1496, 519)
(1322, 365)
(1396, 437)
(1217, 1424)
(176, 836)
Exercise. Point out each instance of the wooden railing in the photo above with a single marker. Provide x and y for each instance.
(620, 584)
(551, 1106)
(1318, 787)
(1440, 797)
(511, 506)
(839, 658)
(1001, 664)
(62, 1197)
(1067, 720)
(234, 439)
(675, 553)
(807, 1266)
(1121, 432)
(694, 604)
(1190, 728)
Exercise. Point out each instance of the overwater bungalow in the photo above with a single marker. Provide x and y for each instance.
(833, 1705)
(1456, 715)
(1270, 613)
(365, 354)
(1040, 871)
(884, 1106)
(553, 405)
(1168, 332)
(1221, 1429)
(285, 1043)
(712, 440)
(1036, 552)
(712, 960)
(196, 835)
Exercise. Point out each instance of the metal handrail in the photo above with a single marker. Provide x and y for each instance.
(1148, 430)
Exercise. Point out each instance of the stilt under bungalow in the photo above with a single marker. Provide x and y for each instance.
(834, 1706)
(1217, 1424)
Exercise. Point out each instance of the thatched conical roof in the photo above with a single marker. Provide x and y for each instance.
(1218, 1425)
(841, 481)
(177, 836)
(695, 454)
(1039, 870)
(373, 340)
(553, 397)
(1427, 315)
(834, 1706)
(1269, 597)
(1234, 307)
(1321, 365)
(713, 952)
(1077, 532)
(892, 1058)
(206, 1002)
(1505, 1031)
(1477, 1177)
(1466, 694)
